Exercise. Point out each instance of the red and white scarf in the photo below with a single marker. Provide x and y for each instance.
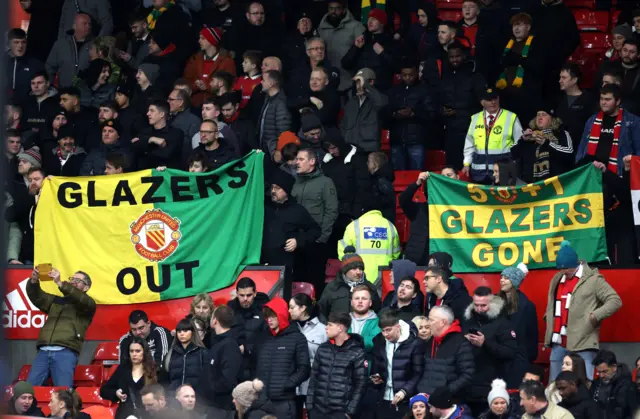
(594, 137)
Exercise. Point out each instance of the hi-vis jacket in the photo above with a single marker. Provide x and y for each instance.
(480, 151)
(375, 239)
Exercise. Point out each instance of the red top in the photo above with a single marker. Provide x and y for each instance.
(470, 32)
(246, 84)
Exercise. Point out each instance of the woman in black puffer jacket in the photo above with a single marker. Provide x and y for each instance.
(187, 361)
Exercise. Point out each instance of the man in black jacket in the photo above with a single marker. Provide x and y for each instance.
(242, 127)
(288, 227)
(613, 390)
(158, 338)
(576, 398)
(412, 111)
(215, 149)
(298, 83)
(225, 371)
(82, 120)
(247, 308)
(283, 360)
(41, 106)
(339, 374)
(376, 50)
(487, 328)
(449, 357)
(575, 106)
(159, 144)
(398, 362)
(444, 290)
(20, 67)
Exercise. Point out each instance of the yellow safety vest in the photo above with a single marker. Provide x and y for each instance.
(375, 239)
(497, 146)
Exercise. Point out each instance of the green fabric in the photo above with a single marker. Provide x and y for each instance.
(369, 331)
(68, 319)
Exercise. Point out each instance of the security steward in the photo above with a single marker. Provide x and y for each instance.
(375, 239)
(490, 137)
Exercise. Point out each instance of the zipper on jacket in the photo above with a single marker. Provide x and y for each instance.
(15, 68)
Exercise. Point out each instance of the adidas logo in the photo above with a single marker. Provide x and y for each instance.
(19, 312)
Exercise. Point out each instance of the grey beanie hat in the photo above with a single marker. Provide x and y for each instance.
(151, 71)
(624, 30)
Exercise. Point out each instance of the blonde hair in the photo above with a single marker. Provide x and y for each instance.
(203, 296)
(419, 319)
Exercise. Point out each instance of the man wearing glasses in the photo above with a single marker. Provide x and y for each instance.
(61, 338)
(214, 148)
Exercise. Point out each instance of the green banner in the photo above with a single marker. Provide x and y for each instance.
(153, 235)
(488, 228)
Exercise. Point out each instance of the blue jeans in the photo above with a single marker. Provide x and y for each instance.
(407, 157)
(61, 364)
(557, 355)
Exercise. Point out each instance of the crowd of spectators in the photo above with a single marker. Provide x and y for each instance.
(108, 87)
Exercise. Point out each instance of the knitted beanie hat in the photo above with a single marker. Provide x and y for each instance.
(516, 274)
(285, 138)
(498, 390)
(351, 260)
(567, 257)
(380, 15)
(624, 30)
(245, 394)
(32, 156)
(22, 387)
(151, 71)
(441, 398)
(420, 397)
(213, 35)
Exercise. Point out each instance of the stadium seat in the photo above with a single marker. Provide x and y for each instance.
(435, 160)
(43, 396)
(23, 374)
(332, 269)
(594, 42)
(615, 14)
(385, 142)
(404, 178)
(450, 14)
(544, 355)
(106, 354)
(303, 288)
(100, 412)
(581, 4)
(88, 376)
(590, 20)
(91, 397)
(402, 225)
(449, 4)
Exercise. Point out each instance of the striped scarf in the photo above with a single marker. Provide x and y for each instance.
(366, 6)
(517, 82)
(561, 307)
(153, 17)
(594, 137)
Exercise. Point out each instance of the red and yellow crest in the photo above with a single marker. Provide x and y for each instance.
(155, 235)
(506, 195)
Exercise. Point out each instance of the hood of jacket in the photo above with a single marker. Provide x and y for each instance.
(454, 328)
(50, 93)
(355, 340)
(405, 332)
(89, 37)
(401, 269)
(280, 307)
(442, 259)
(496, 305)
(333, 136)
(456, 287)
(308, 176)
(581, 395)
(370, 316)
(324, 23)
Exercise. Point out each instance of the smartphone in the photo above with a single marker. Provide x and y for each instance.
(473, 331)
(43, 271)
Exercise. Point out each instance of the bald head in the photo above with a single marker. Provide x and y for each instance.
(81, 26)
(271, 63)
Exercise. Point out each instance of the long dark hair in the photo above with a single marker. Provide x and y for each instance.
(306, 301)
(68, 398)
(579, 369)
(149, 367)
(508, 173)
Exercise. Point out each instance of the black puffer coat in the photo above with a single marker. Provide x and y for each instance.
(338, 378)
(449, 362)
(225, 369)
(582, 406)
(283, 360)
(617, 398)
(383, 65)
(412, 130)
(408, 361)
(187, 366)
(499, 347)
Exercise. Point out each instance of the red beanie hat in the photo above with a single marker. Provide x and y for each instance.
(213, 35)
(379, 15)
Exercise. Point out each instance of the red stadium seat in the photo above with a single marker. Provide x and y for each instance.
(404, 178)
(435, 160)
(385, 142)
(43, 396)
(589, 20)
(23, 374)
(88, 376)
(397, 79)
(303, 288)
(544, 355)
(91, 397)
(581, 4)
(615, 14)
(595, 42)
(450, 14)
(332, 269)
(449, 4)
(100, 412)
(402, 225)
(106, 354)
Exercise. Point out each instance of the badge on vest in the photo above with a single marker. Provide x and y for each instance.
(376, 233)
(497, 130)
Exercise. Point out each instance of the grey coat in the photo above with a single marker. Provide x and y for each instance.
(142, 53)
(66, 60)
(317, 194)
(316, 335)
(274, 120)
(339, 40)
(189, 124)
(360, 125)
(99, 10)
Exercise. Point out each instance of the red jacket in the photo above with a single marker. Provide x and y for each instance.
(195, 70)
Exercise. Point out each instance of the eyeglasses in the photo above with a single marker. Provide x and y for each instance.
(76, 280)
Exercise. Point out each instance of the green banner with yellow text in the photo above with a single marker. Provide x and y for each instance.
(488, 228)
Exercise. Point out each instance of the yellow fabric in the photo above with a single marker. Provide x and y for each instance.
(495, 138)
(389, 248)
(76, 230)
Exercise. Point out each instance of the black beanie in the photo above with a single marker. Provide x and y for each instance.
(441, 398)
(309, 121)
(283, 180)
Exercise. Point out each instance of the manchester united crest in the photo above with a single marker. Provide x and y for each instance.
(505, 195)
(155, 235)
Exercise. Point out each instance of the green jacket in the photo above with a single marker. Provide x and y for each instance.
(369, 331)
(317, 194)
(68, 318)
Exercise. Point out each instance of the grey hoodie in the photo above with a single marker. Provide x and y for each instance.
(66, 60)
(358, 324)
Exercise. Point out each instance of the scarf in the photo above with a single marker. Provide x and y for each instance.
(594, 137)
(352, 284)
(155, 14)
(365, 8)
(61, 155)
(517, 82)
(542, 164)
